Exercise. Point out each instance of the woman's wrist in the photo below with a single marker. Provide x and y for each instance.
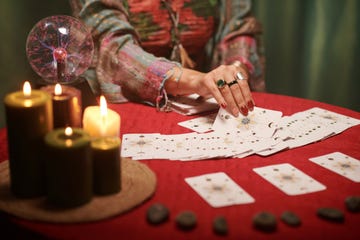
(181, 81)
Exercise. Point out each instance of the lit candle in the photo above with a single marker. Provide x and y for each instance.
(103, 125)
(101, 121)
(28, 119)
(68, 167)
(106, 160)
(66, 105)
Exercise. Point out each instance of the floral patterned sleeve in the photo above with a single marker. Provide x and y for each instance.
(238, 39)
(121, 66)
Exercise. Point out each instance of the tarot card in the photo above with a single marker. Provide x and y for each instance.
(237, 143)
(208, 145)
(250, 145)
(138, 146)
(273, 149)
(340, 163)
(289, 179)
(297, 131)
(176, 146)
(244, 154)
(205, 146)
(334, 121)
(308, 133)
(200, 124)
(260, 122)
(219, 190)
(259, 144)
(228, 144)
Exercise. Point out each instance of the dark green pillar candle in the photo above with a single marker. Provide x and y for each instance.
(28, 119)
(68, 168)
(106, 160)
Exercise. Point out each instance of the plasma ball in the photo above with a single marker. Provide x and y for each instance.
(59, 48)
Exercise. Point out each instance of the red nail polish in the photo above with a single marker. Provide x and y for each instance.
(223, 105)
(244, 111)
(250, 105)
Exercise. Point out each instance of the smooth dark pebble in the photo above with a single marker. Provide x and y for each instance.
(186, 220)
(331, 214)
(157, 213)
(265, 221)
(290, 219)
(220, 226)
(353, 203)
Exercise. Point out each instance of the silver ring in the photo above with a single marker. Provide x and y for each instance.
(239, 76)
(232, 82)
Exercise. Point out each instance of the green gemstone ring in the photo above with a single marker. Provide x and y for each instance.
(220, 83)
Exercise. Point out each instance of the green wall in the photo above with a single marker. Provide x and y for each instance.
(312, 46)
(313, 49)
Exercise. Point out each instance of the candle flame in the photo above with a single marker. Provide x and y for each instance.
(58, 89)
(103, 106)
(68, 131)
(27, 89)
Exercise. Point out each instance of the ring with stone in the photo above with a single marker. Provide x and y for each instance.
(220, 83)
(239, 76)
(232, 82)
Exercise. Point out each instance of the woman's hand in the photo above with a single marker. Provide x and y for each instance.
(228, 84)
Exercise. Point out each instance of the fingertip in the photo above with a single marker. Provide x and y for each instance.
(250, 105)
(235, 112)
(244, 111)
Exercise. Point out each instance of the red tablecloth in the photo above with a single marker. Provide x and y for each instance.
(178, 196)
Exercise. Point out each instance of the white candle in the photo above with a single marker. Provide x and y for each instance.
(101, 121)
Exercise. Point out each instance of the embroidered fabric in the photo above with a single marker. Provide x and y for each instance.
(178, 53)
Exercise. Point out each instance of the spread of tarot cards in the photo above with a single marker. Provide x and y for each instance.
(221, 135)
(263, 132)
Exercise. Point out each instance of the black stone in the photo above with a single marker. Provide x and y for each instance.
(353, 203)
(290, 219)
(157, 213)
(186, 220)
(331, 214)
(220, 226)
(265, 221)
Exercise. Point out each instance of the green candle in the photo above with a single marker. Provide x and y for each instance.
(28, 119)
(106, 160)
(68, 167)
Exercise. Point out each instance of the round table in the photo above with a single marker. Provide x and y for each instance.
(178, 196)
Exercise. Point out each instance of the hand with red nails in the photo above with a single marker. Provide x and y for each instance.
(228, 84)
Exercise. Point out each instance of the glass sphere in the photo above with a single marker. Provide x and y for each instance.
(59, 48)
